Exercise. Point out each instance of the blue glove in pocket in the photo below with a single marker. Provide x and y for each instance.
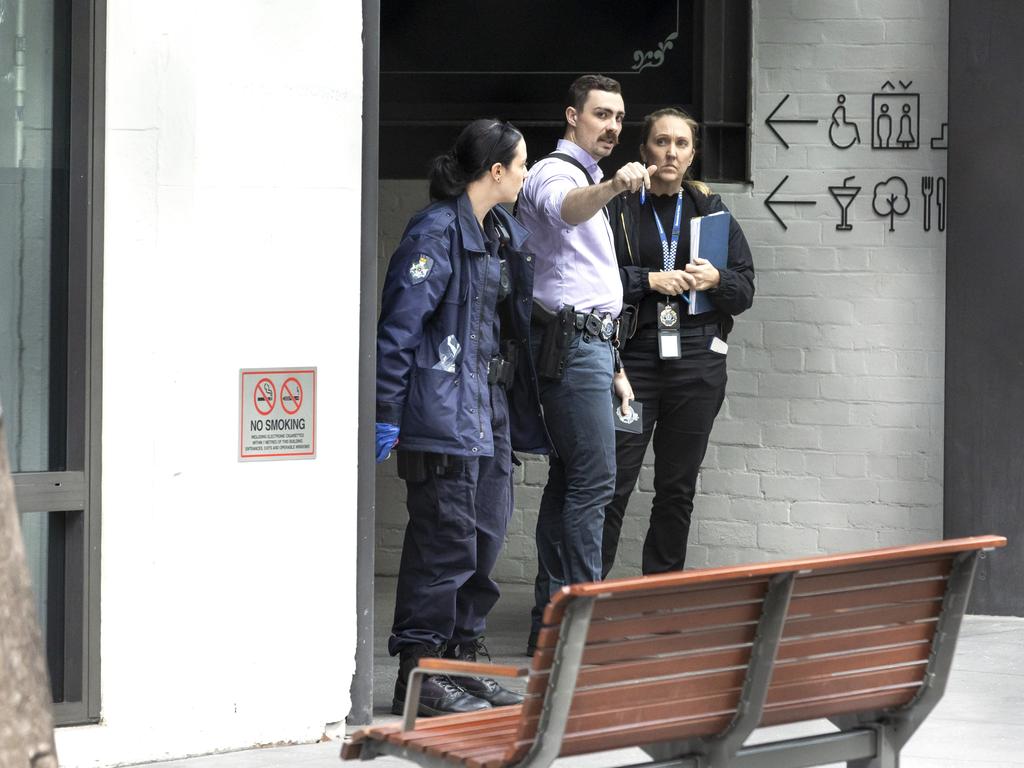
(387, 436)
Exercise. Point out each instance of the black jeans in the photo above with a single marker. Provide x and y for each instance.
(680, 401)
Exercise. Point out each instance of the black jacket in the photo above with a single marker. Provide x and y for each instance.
(735, 292)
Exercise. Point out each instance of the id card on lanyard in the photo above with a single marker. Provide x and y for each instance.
(669, 347)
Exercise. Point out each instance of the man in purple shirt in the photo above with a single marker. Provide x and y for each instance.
(577, 278)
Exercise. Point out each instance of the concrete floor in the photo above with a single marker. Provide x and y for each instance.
(979, 723)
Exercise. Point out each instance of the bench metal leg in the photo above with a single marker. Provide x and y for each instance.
(887, 750)
(897, 726)
(721, 749)
(561, 685)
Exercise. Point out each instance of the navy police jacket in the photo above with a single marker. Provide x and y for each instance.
(441, 285)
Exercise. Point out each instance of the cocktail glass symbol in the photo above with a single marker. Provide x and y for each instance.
(844, 196)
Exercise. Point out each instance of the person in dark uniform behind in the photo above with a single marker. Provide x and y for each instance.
(458, 283)
(681, 382)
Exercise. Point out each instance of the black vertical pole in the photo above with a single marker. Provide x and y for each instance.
(362, 682)
(984, 420)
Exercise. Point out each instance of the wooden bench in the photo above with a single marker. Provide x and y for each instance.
(686, 665)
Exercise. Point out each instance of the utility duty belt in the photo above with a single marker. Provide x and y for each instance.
(417, 466)
(594, 325)
(557, 331)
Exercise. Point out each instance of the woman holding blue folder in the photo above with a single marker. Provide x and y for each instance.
(676, 361)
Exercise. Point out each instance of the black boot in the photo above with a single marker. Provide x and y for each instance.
(439, 694)
(482, 687)
(531, 642)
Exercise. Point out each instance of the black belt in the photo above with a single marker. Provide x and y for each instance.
(595, 325)
(500, 371)
(709, 329)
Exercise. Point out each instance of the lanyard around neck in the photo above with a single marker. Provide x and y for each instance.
(668, 250)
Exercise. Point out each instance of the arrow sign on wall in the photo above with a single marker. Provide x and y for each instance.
(769, 202)
(771, 122)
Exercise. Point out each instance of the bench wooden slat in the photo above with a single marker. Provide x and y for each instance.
(464, 747)
(645, 647)
(681, 728)
(847, 578)
(676, 621)
(815, 709)
(839, 686)
(595, 700)
(352, 749)
(664, 666)
(683, 641)
(636, 719)
(752, 570)
(461, 731)
(854, 640)
(384, 730)
(494, 758)
(696, 598)
(863, 598)
(610, 629)
(848, 662)
(669, 728)
(872, 616)
(610, 652)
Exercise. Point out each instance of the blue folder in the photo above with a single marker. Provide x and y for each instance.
(709, 239)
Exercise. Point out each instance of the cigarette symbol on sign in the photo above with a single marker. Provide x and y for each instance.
(291, 396)
(264, 396)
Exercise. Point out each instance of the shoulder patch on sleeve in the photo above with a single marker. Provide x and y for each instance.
(420, 268)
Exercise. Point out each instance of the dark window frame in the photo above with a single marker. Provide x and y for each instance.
(724, 89)
(719, 89)
(71, 497)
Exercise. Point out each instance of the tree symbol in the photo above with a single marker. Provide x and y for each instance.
(891, 199)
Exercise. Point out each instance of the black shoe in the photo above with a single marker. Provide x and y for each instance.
(439, 694)
(485, 688)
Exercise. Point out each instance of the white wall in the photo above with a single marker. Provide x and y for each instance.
(231, 240)
(831, 435)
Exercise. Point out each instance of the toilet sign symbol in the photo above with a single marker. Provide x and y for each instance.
(264, 396)
(291, 395)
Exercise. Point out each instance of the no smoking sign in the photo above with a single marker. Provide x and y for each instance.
(277, 413)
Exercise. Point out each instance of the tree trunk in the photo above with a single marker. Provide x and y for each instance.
(26, 721)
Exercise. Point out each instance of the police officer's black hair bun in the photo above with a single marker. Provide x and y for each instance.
(447, 179)
(480, 145)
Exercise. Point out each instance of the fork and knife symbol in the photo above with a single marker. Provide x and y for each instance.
(937, 186)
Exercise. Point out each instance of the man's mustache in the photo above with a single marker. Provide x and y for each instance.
(609, 137)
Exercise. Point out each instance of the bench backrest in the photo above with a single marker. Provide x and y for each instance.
(668, 657)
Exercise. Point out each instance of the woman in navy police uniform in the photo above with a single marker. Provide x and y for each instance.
(455, 313)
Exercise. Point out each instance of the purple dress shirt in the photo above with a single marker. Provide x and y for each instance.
(576, 265)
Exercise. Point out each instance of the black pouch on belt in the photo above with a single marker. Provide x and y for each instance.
(558, 332)
(510, 351)
(412, 466)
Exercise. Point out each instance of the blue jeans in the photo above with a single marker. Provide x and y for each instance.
(581, 473)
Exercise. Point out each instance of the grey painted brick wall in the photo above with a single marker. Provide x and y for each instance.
(830, 438)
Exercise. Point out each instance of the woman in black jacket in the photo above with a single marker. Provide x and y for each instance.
(678, 373)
